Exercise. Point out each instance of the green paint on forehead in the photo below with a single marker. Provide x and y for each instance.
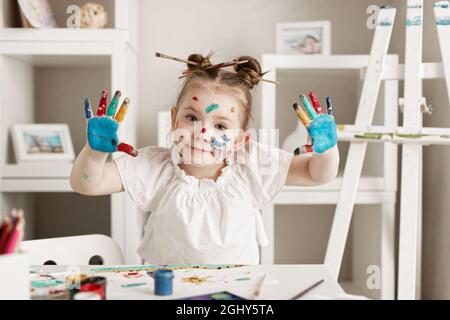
(212, 107)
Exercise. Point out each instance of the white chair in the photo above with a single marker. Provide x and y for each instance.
(78, 250)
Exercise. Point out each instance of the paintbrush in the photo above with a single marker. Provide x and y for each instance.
(165, 56)
(301, 294)
(226, 64)
(259, 287)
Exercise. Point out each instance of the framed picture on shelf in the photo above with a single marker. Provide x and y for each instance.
(36, 14)
(42, 142)
(309, 37)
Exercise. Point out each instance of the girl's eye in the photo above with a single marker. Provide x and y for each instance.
(221, 127)
(191, 118)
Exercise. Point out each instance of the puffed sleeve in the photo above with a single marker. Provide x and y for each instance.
(266, 172)
(144, 175)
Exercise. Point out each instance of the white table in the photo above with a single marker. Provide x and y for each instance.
(292, 279)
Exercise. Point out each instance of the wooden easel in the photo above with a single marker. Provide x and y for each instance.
(412, 136)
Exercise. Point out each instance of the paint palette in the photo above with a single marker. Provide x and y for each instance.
(219, 278)
(48, 286)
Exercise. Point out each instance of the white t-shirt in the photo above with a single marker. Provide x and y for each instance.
(202, 221)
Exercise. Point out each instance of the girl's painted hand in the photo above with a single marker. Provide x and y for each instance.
(321, 126)
(102, 129)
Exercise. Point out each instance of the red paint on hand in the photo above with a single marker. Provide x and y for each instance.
(308, 148)
(315, 102)
(195, 98)
(123, 147)
(102, 105)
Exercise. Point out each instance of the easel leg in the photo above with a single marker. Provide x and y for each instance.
(387, 251)
(357, 151)
(411, 193)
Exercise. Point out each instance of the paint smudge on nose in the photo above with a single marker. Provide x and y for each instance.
(225, 138)
(195, 98)
(212, 107)
(216, 144)
(233, 109)
(203, 130)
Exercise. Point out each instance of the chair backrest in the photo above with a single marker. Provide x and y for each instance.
(78, 250)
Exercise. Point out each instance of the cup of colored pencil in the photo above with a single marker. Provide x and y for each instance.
(11, 231)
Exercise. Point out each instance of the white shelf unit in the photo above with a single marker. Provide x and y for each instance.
(372, 190)
(38, 69)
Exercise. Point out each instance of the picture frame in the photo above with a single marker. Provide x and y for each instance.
(309, 37)
(36, 14)
(42, 142)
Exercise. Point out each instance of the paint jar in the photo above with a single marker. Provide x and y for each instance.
(91, 284)
(163, 282)
(98, 281)
(93, 288)
(87, 296)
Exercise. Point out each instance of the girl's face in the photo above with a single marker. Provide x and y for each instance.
(207, 126)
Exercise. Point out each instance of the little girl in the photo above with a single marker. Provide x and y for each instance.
(205, 192)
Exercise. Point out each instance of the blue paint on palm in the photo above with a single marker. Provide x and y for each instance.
(323, 133)
(102, 134)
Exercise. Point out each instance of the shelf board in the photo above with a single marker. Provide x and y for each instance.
(371, 191)
(54, 177)
(327, 62)
(64, 60)
(366, 183)
(45, 170)
(36, 177)
(64, 34)
(312, 72)
(35, 185)
(58, 47)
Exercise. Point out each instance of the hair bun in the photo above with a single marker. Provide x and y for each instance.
(201, 61)
(250, 71)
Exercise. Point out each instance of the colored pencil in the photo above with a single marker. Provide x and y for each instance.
(259, 287)
(6, 229)
(11, 232)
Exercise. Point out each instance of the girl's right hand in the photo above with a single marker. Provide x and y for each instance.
(320, 125)
(102, 129)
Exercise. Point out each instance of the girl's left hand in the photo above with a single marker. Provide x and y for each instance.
(102, 129)
(320, 124)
